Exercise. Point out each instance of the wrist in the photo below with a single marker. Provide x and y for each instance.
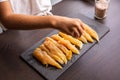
(55, 22)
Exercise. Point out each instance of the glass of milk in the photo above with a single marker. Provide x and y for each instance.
(101, 7)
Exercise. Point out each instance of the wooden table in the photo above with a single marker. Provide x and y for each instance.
(101, 62)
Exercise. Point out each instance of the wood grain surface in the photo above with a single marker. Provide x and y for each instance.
(99, 63)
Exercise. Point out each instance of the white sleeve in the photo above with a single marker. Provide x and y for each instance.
(2, 28)
(3, 0)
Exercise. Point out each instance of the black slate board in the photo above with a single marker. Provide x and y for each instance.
(51, 73)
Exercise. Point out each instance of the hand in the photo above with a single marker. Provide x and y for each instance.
(70, 26)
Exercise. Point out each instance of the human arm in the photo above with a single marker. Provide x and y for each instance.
(27, 22)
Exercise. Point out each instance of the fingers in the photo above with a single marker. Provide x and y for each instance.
(75, 32)
(73, 27)
(81, 23)
(78, 28)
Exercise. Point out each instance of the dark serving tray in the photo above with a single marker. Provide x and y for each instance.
(51, 73)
